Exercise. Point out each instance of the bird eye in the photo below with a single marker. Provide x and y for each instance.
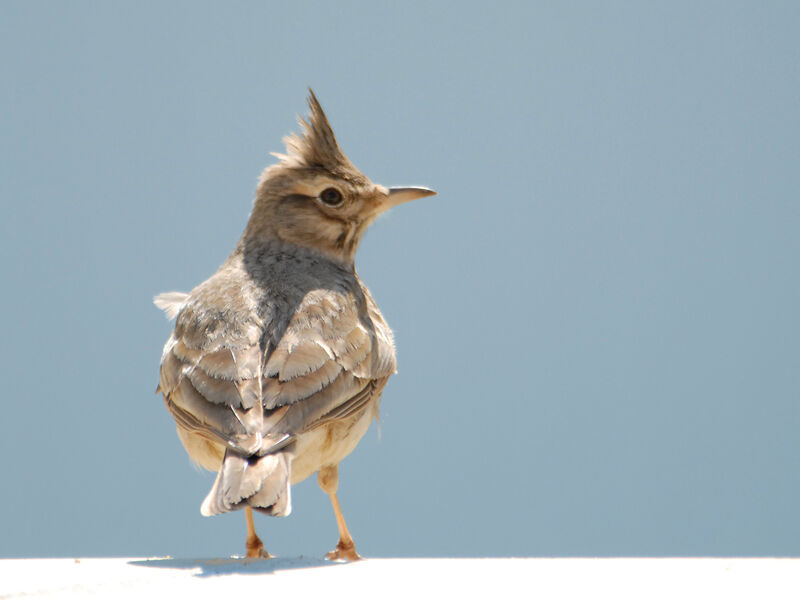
(331, 196)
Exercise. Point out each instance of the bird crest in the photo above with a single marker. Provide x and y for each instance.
(316, 147)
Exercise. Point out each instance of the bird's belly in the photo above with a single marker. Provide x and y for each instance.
(203, 452)
(330, 443)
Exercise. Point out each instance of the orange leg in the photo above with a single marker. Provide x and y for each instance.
(328, 478)
(255, 547)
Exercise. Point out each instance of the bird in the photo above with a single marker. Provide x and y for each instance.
(276, 365)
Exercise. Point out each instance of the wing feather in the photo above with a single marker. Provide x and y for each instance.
(304, 358)
(278, 392)
(232, 364)
(216, 391)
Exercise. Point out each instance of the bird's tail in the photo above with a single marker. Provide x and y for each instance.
(262, 482)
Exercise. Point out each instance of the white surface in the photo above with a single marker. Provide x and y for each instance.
(618, 578)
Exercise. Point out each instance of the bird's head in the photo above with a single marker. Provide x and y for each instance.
(316, 198)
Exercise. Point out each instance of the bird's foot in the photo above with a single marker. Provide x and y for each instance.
(255, 548)
(344, 551)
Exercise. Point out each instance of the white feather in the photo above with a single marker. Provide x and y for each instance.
(171, 303)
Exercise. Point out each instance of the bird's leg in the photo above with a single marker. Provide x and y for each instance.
(328, 478)
(255, 547)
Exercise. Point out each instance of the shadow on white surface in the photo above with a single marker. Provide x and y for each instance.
(209, 567)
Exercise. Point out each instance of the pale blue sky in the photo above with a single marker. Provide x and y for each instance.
(596, 319)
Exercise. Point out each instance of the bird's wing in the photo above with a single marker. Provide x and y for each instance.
(334, 356)
(211, 367)
(218, 382)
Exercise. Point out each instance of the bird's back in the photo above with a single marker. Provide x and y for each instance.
(281, 353)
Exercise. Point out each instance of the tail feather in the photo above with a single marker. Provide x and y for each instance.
(275, 495)
(260, 482)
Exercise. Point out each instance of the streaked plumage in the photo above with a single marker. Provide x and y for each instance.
(277, 362)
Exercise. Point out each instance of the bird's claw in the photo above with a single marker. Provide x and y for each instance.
(344, 551)
(255, 549)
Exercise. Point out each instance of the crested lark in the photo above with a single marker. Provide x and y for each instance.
(277, 362)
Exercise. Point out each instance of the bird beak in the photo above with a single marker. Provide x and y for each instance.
(398, 195)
